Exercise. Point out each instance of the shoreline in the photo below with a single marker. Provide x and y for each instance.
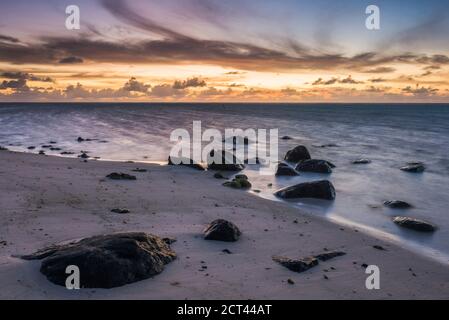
(43, 193)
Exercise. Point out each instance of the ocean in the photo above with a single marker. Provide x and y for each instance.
(390, 135)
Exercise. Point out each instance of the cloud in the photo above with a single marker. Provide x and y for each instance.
(136, 86)
(347, 80)
(193, 82)
(420, 91)
(71, 60)
(8, 39)
(24, 76)
(379, 70)
(377, 80)
(18, 85)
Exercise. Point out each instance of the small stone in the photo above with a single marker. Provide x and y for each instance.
(120, 176)
(120, 211)
(290, 281)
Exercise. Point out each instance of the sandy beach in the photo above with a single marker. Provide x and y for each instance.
(47, 200)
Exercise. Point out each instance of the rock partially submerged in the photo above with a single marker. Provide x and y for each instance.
(222, 230)
(284, 169)
(414, 224)
(297, 154)
(361, 161)
(226, 161)
(322, 189)
(415, 167)
(314, 165)
(106, 261)
(120, 176)
(239, 182)
(180, 161)
(397, 204)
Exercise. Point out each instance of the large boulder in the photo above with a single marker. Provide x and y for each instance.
(185, 162)
(297, 154)
(322, 189)
(314, 165)
(226, 161)
(222, 230)
(284, 169)
(106, 261)
(414, 224)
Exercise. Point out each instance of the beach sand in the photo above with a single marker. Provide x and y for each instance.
(46, 200)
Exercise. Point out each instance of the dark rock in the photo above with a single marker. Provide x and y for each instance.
(414, 167)
(83, 156)
(328, 145)
(139, 170)
(55, 149)
(180, 161)
(227, 162)
(120, 176)
(41, 152)
(169, 240)
(377, 247)
(361, 161)
(329, 255)
(322, 189)
(120, 211)
(67, 152)
(52, 142)
(313, 165)
(80, 139)
(414, 224)
(297, 154)
(227, 251)
(239, 182)
(397, 204)
(299, 265)
(286, 138)
(290, 281)
(46, 146)
(31, 148)
(219, 175)
(222, 230)
(3, 148)
(106, 261)
(284, 169)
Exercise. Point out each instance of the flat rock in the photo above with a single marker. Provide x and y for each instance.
(314, 165)
(299, 265)
(222, 230)
(284, 169)
(322, 189)
(414, 224)
(106, 261)
(297, 154)
(414, 167)
(397, 204)
(120, 176)
(180, 161)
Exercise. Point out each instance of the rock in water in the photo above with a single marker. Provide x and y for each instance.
(414, 167)
(226, 161)
(185, 162)
(106, 261)
(285, 170)
(414, 224)
(397, 204)
(299, 265)
(361, 161)
(297, 154)
(120, 176)
(322, 189)
(222, 230)
(313, 165)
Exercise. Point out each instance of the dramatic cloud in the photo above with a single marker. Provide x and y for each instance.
(347, 80)
(71, 60)
(136, 86)
(24, 76)
(194, 82)
(420, 91)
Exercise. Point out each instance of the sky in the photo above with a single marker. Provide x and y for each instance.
(225, 51)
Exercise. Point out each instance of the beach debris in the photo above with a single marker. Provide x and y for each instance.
(285, 169)
(414, 224)
(120, 211)
(240, 181)
(297, 154)
(106, 261)
(361, 161)
(120, 176)
(314, 165)
(397, 204)
(226, 162)
(322, 189)
(415, 167)
(329, 255)
(222, 230)
(172, 161)
(299, 265)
